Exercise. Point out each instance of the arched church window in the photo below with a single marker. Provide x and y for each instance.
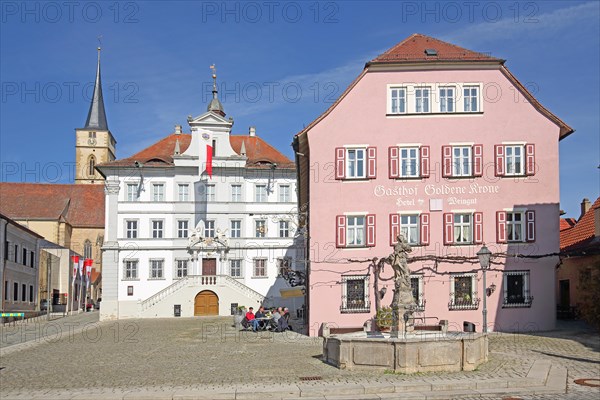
(92, 165)
(87, 249)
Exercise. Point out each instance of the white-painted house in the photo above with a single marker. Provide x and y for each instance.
(177, 234)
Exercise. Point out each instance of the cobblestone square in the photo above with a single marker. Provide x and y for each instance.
(78, 353)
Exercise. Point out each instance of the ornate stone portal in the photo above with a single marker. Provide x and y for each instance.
(210, 246)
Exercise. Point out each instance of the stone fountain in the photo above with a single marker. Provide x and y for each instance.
(404, 349)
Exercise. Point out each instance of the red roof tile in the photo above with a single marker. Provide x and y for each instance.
(160, 154)
(412, 49)
(583, 231)
(567, 223)
(79, 205)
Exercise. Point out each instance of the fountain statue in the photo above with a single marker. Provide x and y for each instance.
(403, 303)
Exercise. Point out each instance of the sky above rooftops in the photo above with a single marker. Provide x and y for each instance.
(279, 65)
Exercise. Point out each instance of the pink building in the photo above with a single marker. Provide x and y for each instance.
(447, 147)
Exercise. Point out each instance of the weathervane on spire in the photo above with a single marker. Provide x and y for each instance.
(99, 37)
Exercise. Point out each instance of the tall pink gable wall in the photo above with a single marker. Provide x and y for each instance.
(360, 118)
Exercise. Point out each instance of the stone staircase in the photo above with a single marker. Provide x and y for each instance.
(184, 290)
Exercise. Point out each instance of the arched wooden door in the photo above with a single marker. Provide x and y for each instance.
(206, 303)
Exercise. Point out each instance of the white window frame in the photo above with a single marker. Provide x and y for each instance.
(461, 225)
(236, 193)
(157, 232)
(519, 226)
(133, 266)
(131, 232)
(406, 159)
(235, 268)
(406, 225)
(447, 100)
(260, 228)
(235, 231)
(284, 229)
(158, 192)
(352, 170)
(211, 192)
(183, 191)
(397, 100)
(468, 98)
(255, 267)
(261, 194)
(181, 268)
(182, 232)
(209, 228)
(471, 304)
(510, 160)
(132, 192)
(422, 100)
(458, 161)
(366, 306)
(356, 228)
(526, 296)
(156, 266)
(284, 193)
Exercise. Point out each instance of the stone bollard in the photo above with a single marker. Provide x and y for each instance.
(368, 326)
(325, 329)
(444, 325)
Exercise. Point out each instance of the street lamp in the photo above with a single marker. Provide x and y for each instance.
(484, 255)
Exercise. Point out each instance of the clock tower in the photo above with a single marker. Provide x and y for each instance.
(94, 142)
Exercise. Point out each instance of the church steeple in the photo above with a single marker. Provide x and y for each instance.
(215, 105)
(96, 118)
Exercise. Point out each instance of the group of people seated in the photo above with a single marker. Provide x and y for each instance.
(274, 319)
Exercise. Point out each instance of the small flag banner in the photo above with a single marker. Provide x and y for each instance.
(209, 151)
(75, 264)
(12, 314)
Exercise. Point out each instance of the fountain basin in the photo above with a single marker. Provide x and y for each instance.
(417, 352)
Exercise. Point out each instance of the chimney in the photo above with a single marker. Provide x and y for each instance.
(585, 207)
(178, 130)
(252, 131)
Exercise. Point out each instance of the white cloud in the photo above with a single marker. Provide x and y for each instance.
(526, 24)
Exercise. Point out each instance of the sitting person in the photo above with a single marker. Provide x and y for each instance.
(286, 315)
(260, 314)
(282, 323)
(251, 319)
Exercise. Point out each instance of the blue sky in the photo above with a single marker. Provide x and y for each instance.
(280, 64)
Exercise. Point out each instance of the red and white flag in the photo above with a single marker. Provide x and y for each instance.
(80, 269)
(75, 264)
(206, 139)
(88, 270)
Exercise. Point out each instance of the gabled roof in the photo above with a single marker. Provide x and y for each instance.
(79, 205)
(20, 226)
(415, 48)
(412, 50)
(160, 154)
(582, 234)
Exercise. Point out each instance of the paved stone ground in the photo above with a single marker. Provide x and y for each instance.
(205, 353)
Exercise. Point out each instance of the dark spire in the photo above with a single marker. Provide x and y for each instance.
(215, 105)
(96, 118)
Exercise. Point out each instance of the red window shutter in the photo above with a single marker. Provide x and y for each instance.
(500, 226)
(340, 231)
(394, 228)
(478, 160)
(499, 160)
(446, 161)
(424, 227)
(394, 162)
(530, 221)
(340, 163)
(371, 230)
(530, 159)
(448, 228)
(424, 155)
(371, 162)
(478, 227)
